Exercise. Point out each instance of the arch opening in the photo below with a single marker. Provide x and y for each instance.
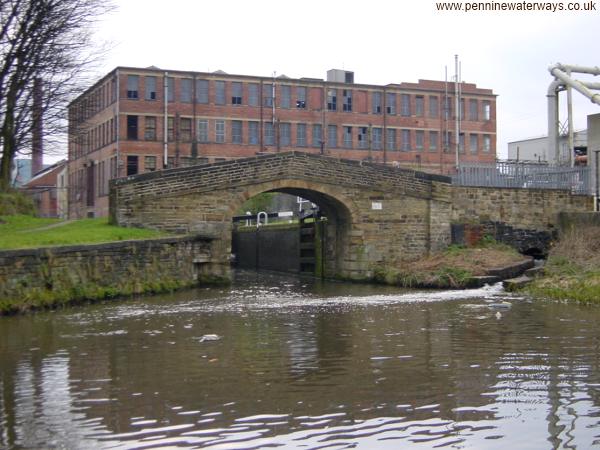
(312, 237)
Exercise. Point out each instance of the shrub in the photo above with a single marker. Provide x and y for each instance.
(16, 203)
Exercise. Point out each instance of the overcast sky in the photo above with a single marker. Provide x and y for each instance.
(381, 41)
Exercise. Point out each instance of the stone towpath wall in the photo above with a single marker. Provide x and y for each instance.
(50, 276)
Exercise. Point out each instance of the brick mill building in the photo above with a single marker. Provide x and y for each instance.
(117, 127)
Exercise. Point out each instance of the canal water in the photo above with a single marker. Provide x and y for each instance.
(282, 362)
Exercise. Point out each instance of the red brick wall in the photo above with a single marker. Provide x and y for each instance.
(314, 113)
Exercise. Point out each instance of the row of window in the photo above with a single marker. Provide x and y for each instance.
(92, 139)
(94, 102)
(296, 97)
(361, 137)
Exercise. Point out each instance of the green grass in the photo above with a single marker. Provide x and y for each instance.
(21, 231)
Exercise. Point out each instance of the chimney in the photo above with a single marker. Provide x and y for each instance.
(37, 144)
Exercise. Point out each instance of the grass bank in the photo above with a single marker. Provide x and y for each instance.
(453, 268)
(572, 271)
(22, 231)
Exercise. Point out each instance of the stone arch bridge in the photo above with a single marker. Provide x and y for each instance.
(376, 215)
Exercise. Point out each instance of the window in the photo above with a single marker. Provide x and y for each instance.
(269, 135)
(219, 92)
(132, 86)
(447, 108)
(433, 141)
(332, 136)
(202, 91)
(390, 139)
(377, 138)
(113, 91)
(203, 130)
(253, 94)
(286, 96)
(113, 167)
(487, 143)
(284, 134)
(461, 105)
(132, 127)
(150, 84)
(347, 100)
(461, 142)
(405, 105)
(186, 90)
(487, 110)
(267, 95)
(185, 129)
(405, 144)
(447, 141)
(434, 107)
(419, 139)
(132, 165)
(363, 140)
(170, 129)
(150, 163)
(300, 97)
(473, 143)
(473, 110)
(348, 137)
(150, 130)
(220, 131)
(253, 133)
(170, 89)
(236, 93)
(301, 135)
(317, 135)
(332, 99)
(390, 103)
(236, 132)
(419, 105)
(376, 101)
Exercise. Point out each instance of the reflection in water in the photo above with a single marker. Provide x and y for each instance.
(303, 364)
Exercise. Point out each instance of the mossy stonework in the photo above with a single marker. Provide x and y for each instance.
(53, 276)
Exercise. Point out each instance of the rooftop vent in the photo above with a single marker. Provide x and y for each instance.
(340, 76)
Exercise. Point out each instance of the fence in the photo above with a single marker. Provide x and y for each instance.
(525, 175)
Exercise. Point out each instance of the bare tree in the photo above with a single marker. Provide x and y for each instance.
(49, 40)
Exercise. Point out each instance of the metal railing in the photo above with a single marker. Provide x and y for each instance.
(512, 174)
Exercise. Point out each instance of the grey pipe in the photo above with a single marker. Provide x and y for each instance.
(553, 117)
(574, 68)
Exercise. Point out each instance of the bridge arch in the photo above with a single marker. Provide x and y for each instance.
(341, 212)
(383, 215)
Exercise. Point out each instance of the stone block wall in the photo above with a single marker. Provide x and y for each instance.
(68, 273)
(533, 209)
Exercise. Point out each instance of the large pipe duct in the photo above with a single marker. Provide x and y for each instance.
(563, 79)
(559, 72)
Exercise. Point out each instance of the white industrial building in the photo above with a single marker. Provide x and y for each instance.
(537, 149)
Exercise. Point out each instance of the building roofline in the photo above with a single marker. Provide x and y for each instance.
(47, 170)
(407, 86)
(543, 136)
